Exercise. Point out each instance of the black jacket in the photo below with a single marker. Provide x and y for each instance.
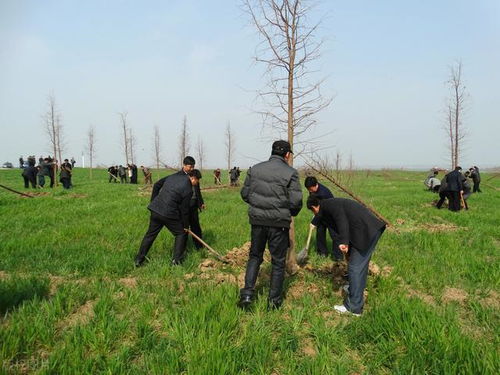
(196, 198)
(454, 181)
(273, 191)
(355, 225)
(171, 196)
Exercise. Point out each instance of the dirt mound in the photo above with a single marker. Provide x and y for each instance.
(238, 256)
(402, 225)
(38, 193)
(128, 282)
(454, 295)
(300, 288)
(82, 315)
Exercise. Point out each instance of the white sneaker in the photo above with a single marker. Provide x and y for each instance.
(342, 309)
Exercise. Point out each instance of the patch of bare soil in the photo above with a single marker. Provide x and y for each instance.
(428, 299)
(439, 227)
(301, 288)
(128, 282)
(55, 281)
(435, 227)
(454, 295)
(308, 348)
(3, 275)
(78, 195)
(82, 315)
(38, 193)
(493, 300)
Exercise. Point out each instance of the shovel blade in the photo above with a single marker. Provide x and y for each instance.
(302, 257)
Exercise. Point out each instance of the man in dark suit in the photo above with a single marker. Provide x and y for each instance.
(359, 231)
(322, 192)
(455, 188)
(196, 204)
(170, 208)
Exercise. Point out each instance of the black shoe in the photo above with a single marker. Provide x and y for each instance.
(139, 261)
(176, 262)
(274, 304)
(245, 302)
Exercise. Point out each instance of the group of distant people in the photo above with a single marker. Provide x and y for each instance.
(455, 186)
(128, 174)
(234, 176)
(34, 174)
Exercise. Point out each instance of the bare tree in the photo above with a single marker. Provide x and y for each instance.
(200, 152)
(132, 143)
(157, 147)
(91, 146)
(53, 129)
(454, 113)
(183, 140)
(288, 48)
(125, 145)
(230, 146)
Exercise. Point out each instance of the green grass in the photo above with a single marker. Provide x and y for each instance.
(72, 302)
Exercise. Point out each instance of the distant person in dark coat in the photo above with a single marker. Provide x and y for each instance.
(170, 208)
(29, 174)
(476, 179)
(359, 231)
(113, 174)
(455, 188)
(21, 162)
(195, 206)
(322, 192)
(122, 172)
(65, 175)
(273, 193)
(443, 193)
(133, 177)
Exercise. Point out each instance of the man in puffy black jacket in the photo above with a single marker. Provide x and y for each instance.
(274, 195)
(170, 208)
(359, 231)
(455, 188)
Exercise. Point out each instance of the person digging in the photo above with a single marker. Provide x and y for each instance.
(359, 231)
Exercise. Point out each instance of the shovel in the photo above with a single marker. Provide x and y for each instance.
(212, 251)
(303, 255)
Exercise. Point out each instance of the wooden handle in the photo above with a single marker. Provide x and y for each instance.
(215, 253)
(311, 227)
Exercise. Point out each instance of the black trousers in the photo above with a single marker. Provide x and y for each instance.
(156, 223)
(194, 225)
(66, 182)
(28, 180)
(278, 242)
(321, 247)
(475, 188)
(442, 196)
(454, 200)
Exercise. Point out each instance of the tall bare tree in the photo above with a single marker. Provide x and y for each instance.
(132, 143)
(157, 147)
(125, 144)
(230, 145)
(91, 146)
(200, 152)
(183, 140)
(292, 96)
(53, 129)
(455, 108)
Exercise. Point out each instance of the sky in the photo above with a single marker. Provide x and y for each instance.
(385, 62)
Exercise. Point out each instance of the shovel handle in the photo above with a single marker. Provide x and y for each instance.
(311, 227)
(215, 253)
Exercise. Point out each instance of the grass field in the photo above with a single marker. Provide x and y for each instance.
(73, 303)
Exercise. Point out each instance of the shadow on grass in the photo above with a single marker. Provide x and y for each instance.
(14, 291)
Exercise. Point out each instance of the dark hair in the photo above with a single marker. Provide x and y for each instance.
(436, 172)
(313, 200)
(458, 168)
(310, 181)
(188, 160)
(195, 173)
(281, 148)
